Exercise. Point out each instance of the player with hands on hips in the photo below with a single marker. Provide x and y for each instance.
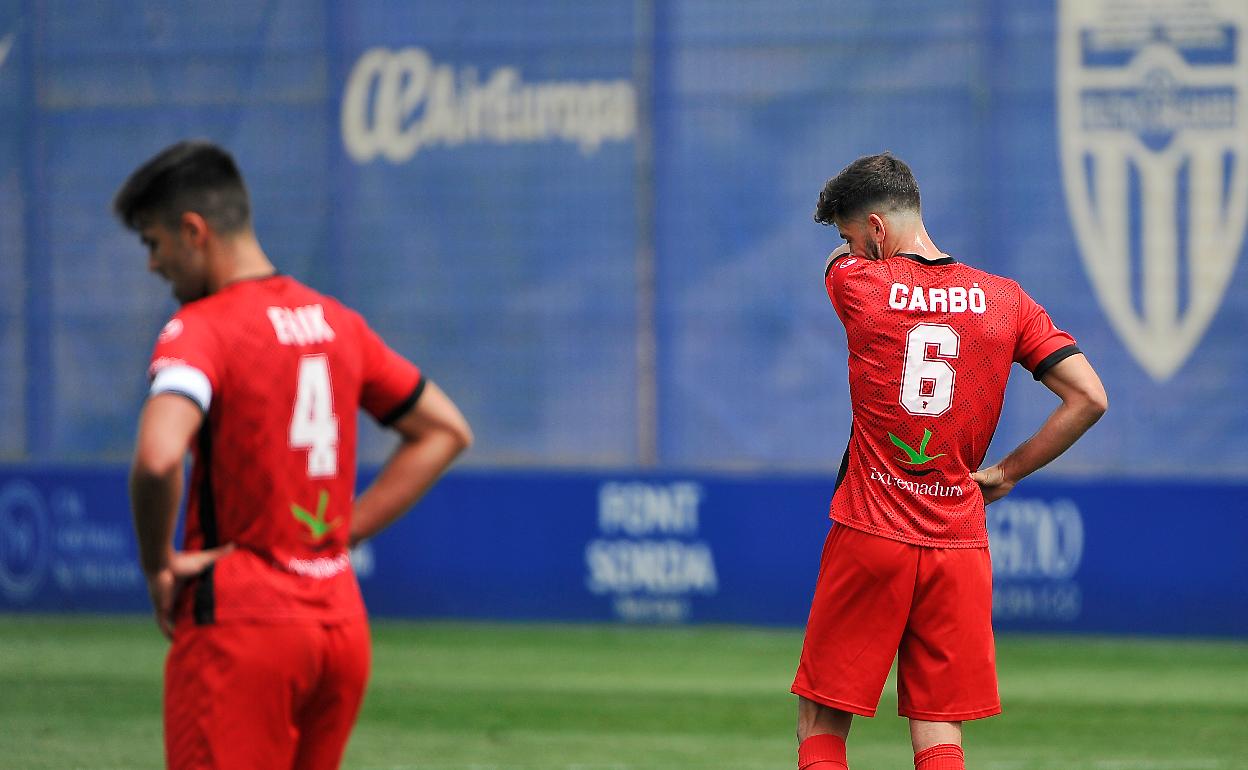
(261, 379)
(905, 571)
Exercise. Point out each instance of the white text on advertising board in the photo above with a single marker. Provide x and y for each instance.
(397, 103)
(1037, 547)
(647, 557)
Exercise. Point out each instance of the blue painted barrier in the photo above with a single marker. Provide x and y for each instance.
(1112, 557)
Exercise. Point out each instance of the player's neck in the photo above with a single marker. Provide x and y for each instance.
(238, 258)
(915, 240)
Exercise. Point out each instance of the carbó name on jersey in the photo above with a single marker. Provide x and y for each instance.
(951, 299)
(301, 325)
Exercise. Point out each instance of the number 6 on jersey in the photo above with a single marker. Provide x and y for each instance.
(927, 379)
(313, 426)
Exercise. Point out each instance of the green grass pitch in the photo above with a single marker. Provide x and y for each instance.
(84, 692)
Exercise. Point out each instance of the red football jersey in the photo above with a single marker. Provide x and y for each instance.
(930, 350)
(281, 372)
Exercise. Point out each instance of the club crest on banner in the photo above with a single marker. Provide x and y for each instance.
(6, 45)
(1153, 125)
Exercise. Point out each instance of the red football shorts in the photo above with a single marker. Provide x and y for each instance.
(931, 607)
(264, 696)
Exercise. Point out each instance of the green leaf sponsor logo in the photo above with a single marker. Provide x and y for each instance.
(317, 526)
(913, 457)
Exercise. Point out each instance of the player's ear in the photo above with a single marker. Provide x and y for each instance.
(877, 228)
(194, 228)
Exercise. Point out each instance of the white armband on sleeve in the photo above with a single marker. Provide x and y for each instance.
(186, 381)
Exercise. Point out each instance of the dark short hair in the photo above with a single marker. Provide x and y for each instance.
(871, 183)
(194, 176)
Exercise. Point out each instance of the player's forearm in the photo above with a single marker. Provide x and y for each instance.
(1062, 429)
(405, 478)
(154, 497)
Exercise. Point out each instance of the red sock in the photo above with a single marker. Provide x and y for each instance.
(943, 756)
(822, 752)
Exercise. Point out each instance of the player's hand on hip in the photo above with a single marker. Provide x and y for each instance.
(188, 564)
(163, 585)
(160, 588)
(992, 483)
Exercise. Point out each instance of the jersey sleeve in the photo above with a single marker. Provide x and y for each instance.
(186, 359)
(391, 384)
(1039, 345)
(835, 279)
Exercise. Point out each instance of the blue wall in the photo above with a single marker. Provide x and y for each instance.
(484, 179)
(523, 196)
(1119, 557)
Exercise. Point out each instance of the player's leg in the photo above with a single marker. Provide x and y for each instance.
(856, 620)
(187, 691)
(817, 719)
(326, 717)
(946, 669)
(924, 734)
(229, 692)
(937, 745)
(821, 734)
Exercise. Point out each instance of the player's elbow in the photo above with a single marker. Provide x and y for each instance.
(1101, 404)
(1093, 401)
(453, 436)
(461, 435)
(154, 467)
(152, 474)
(1081, 389)
(457, 429)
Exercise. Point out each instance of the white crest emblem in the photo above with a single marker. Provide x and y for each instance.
(1153, 122)
(6, 45)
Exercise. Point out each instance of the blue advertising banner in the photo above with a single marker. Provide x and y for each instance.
(662, 548)
(66, 542)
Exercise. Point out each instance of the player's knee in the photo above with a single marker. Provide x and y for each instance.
(817, 719)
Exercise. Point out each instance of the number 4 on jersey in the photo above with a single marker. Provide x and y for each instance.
(313, 426)
(927, 379)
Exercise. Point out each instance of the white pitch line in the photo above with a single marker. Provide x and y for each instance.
(1159, 764)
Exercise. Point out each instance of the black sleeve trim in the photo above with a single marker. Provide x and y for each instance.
(1054, 358)
(406, 405)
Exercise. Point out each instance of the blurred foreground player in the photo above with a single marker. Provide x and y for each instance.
(905, 570)
(262, 379)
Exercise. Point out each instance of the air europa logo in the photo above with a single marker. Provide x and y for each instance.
(397, 103)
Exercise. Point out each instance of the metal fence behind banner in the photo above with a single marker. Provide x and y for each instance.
(590, 222)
